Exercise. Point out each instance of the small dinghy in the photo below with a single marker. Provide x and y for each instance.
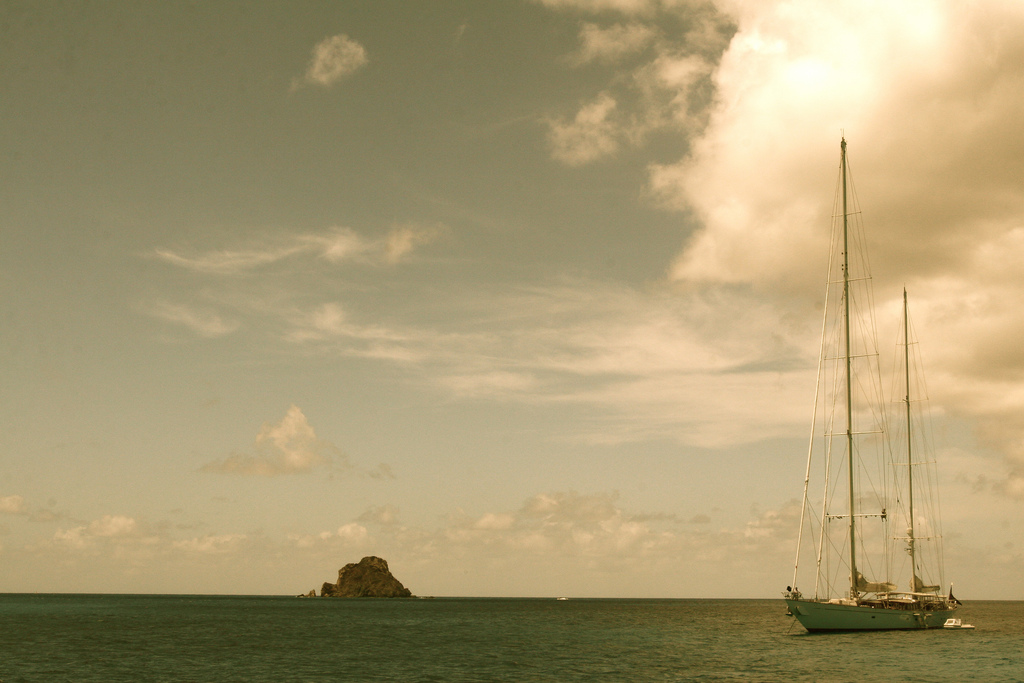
(953, 622)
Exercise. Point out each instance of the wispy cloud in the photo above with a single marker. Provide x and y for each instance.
(628, 7)
(202, 321)
(334, 58)
(659, 362)
(402, 240)
(336, 245)
(328, 327)
(228, 262)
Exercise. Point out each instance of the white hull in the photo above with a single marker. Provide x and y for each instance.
(826, 616)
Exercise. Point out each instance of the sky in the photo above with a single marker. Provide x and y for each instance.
(522, 296)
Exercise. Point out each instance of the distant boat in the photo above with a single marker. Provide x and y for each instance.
(561, 598)
(953, 622)
(871, 500)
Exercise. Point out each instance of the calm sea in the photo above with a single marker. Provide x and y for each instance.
(113, 638)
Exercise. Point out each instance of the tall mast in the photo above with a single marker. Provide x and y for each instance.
(910, 459)
(849, 378)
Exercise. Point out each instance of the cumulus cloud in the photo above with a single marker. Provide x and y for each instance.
(929, 96)
(380, 514)
(289, 446)
(108, 528)
(590, 543)
(350, 535)
(664, 94)
(612, 43)
(333, 59)
(786, 91)
(590, 135)
(12, 505)
(670, 88)
(211, 544)
(112, 525)
(568, 522)
(584, 542)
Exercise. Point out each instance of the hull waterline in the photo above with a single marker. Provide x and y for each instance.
(826, 616)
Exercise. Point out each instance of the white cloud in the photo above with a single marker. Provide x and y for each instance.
(12, 505)
(402, 240)
(592, 134)
(657, 363)
(798, 73)
(228, 262)
(333, 59)
(622, 6)
(106, 529)
(329, 326)
(289, 446)
(383, 514)
(555, 542)
(293, 439)
(231, 298)
(337, 245)
(350, 535)
(353, 532)
(498, 521)
(341, 244)
(929, 96)
(593, 539)
(669, 90)
(204, 322)
(612, 43)
(74, 538)
(211, 544)
(659, 94)
(112, 525)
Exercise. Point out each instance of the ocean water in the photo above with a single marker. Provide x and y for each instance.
(142, 638)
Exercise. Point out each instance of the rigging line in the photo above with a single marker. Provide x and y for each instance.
(810, 445)
(814, 420)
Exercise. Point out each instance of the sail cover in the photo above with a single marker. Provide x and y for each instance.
(919, 586)
(874, 586)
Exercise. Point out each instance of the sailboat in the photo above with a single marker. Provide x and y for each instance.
(870, 533)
